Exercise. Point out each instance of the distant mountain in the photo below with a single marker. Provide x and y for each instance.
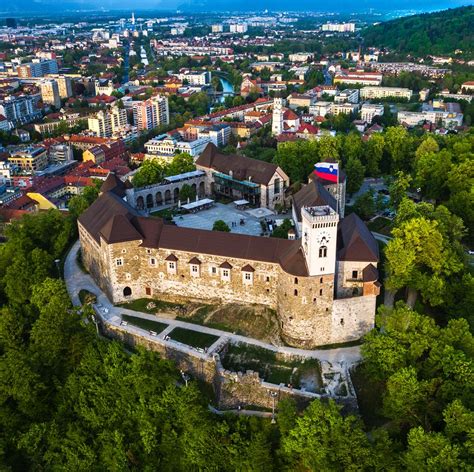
(441, 32)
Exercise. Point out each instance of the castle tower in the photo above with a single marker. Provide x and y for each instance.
(319, 239)
(277, 119)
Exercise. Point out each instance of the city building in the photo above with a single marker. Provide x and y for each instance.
(20, 109)
(151, 113)
(168, 145)
(357, 77)
(368, 112)
(107, 123)
(339, 27)
(31, 159)
(65, 86)
(347, 96)
(369, 93)
(50, 93)
(37, 68)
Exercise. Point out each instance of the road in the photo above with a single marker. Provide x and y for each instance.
(77, 280)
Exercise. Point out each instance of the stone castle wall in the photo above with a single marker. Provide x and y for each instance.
(352, 318)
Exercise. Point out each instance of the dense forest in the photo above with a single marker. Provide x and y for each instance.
(441, 32)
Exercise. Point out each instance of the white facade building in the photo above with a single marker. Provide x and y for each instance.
(107, 123)
(368, 112)
(151, 113)
(368, 93)
(50, 93)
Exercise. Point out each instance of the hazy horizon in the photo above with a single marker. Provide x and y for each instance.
(343, 6)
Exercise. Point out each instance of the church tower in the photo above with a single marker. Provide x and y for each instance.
(319, 239)
(277, 119)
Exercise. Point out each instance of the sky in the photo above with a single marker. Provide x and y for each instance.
(23, 6)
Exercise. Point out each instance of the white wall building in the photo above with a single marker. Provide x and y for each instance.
(151, 113)
(368, 93)
(368, 112)
(50, 93)
(107, 123)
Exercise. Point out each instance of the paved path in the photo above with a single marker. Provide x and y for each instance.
(76, 280)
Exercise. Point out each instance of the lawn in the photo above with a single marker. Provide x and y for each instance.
(145, 305)
(381, 225)
(193, 338)
(149, 325)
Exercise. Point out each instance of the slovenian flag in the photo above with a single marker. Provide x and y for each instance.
(327, 171)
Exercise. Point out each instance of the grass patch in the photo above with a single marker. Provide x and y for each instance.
(252, 321)
(193, 338)
(381, 225)
(149, 325)
(243, 357)
(86, 297)
(152, 306)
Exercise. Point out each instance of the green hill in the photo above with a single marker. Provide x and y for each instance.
(441, 32)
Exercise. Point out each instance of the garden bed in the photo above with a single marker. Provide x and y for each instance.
(149, 325)
(193, 338)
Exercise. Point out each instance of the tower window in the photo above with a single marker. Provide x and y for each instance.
(296, 292)
(323, 251)
(355, 274)
(321, 280)
(296, 280)
(321, 291)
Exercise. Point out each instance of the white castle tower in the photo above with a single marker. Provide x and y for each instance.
(319, 239)
(277, 119)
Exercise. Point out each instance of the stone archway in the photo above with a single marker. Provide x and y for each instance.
(202, 190)
(149, 201)
(127, 292)
(140, 203)
(159, 199)
(176, 195)
(168, 197)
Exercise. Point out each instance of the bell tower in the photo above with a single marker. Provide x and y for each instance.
(319, 239)
(277, 118)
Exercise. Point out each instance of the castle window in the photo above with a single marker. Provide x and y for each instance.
(152, 261)
(247, 278)
(128, 276)
(171, 267)
(119, 262)
(355, 274)
(225, 274)
(124, 251)
(323, 251)
(127, 291)
(147, 290)
(321, 291)
(277, 186)
(268, 279)
(148, 251)
(213, 270)
(195, 270)
(342, 321)
(296, 280)
(295, 293)
(321, 280)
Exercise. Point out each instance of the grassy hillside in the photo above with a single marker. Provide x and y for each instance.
(431, 33)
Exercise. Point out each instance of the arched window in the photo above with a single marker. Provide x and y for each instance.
(296, 280)
(323, 251)
(296, 292)
(127, 291)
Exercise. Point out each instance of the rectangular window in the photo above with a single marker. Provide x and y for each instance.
(171, 265)
(355, 274)
(119, 262)
(213, 270)
(248, 276)
(152, 261)
(148, 290)
(225, 273)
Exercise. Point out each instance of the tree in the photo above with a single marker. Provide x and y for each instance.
(355, 172)
(364, 205)
(398, 188)
(373, 154)
(281, 231)
(181, 163)
(151, 172)
(318, 441)
(220, 225)
(187, 193)
(397, 146)
(79, 203)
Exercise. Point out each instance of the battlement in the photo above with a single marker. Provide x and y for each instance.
(319, 214)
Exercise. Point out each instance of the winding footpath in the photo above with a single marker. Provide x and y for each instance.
(76, 280)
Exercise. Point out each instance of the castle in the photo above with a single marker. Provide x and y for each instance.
(322, 282)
